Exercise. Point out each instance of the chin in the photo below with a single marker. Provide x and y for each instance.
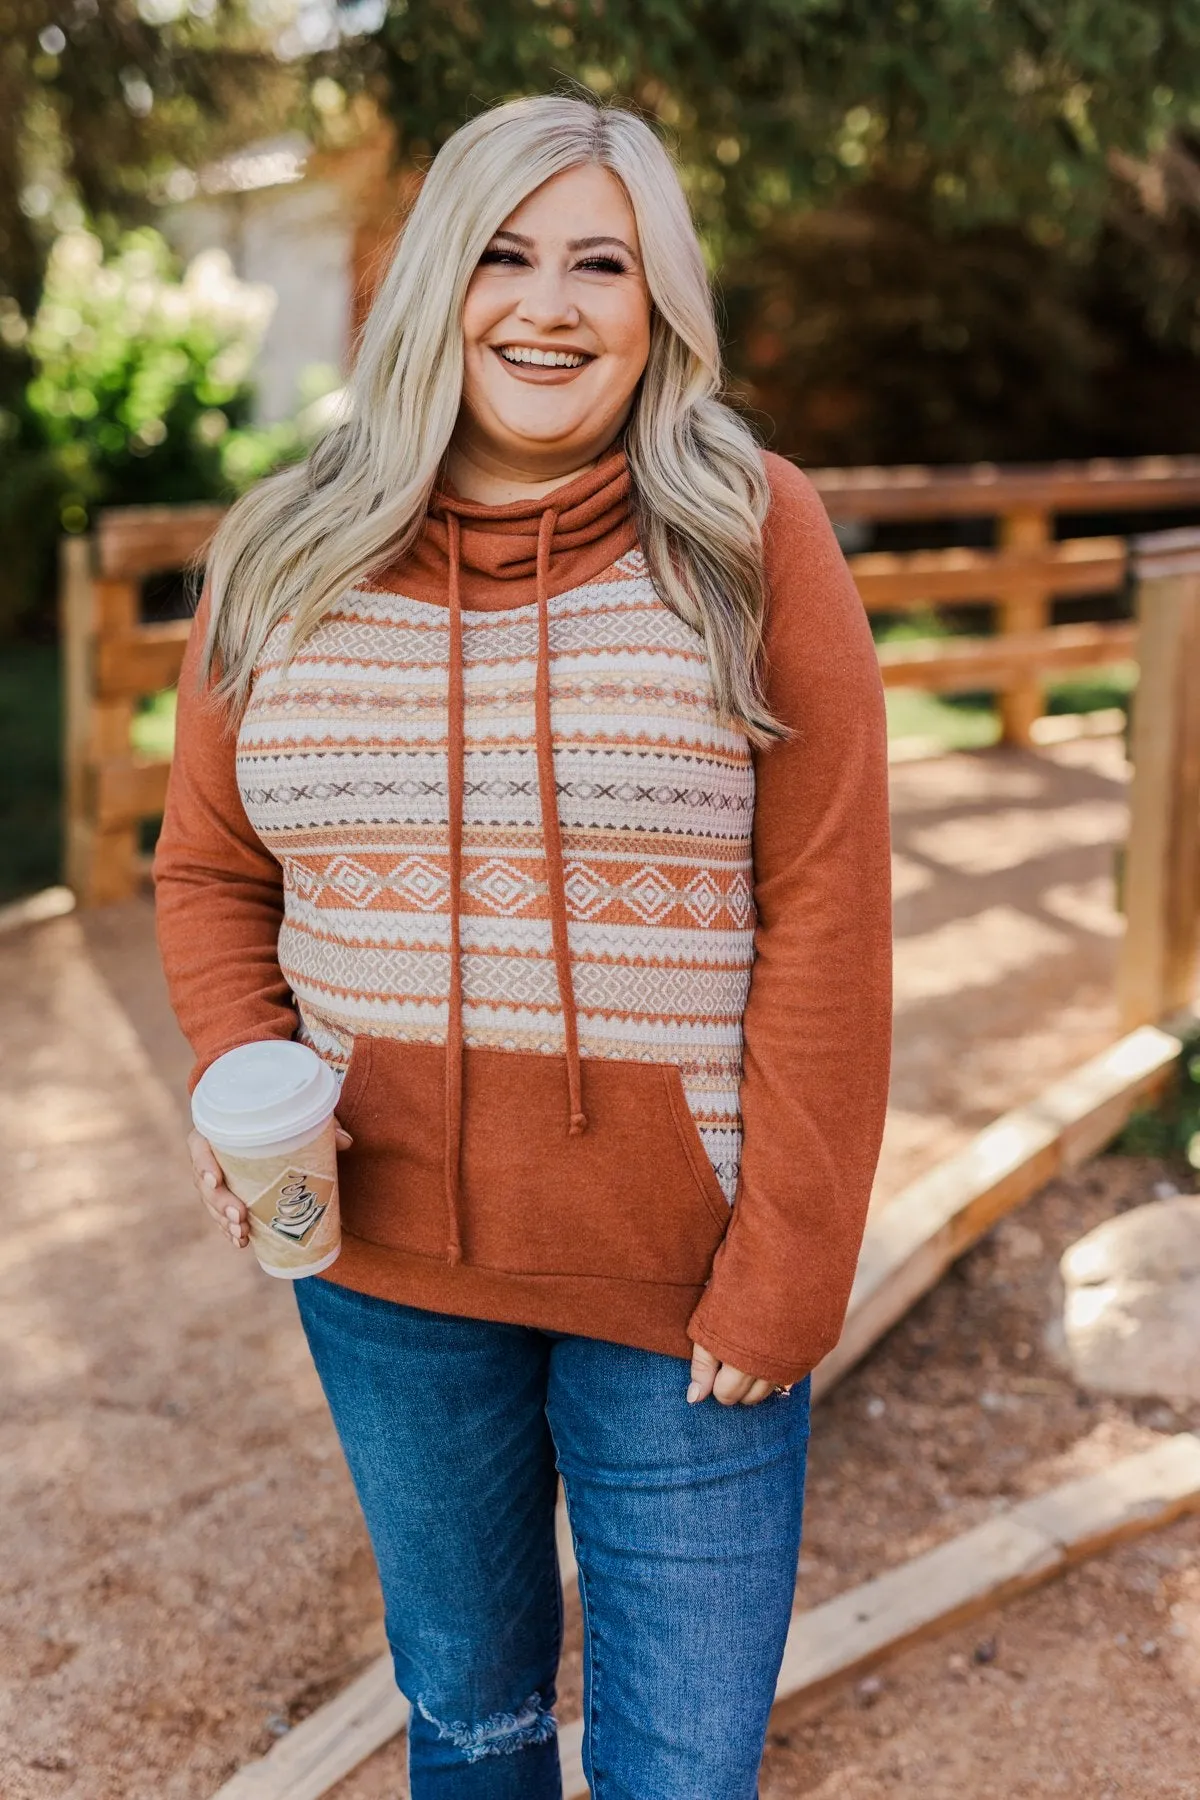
(550, 432)
(543, 428)
(537, 415)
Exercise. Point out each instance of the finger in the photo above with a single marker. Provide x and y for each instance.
(731, 1384)
(205, 1167)
(236, 1228)
(758, 1391)
(211, 1185)
(219, 1199)
(341, 1136)
(217, 1213)
(224, 1208)
(703, 1373)
(208, 1173)
(221, 1202)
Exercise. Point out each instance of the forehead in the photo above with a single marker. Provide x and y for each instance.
(587, 201)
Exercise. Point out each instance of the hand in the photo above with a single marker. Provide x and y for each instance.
(725, 1383)
(221, 1203)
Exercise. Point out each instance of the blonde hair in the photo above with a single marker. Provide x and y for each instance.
(299, 539)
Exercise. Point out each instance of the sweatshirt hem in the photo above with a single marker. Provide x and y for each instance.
(643, 1315)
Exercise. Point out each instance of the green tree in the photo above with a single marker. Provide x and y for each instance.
(102, 102)
(1002, 110)
(102, 99)
(943, 228)
(869, 333)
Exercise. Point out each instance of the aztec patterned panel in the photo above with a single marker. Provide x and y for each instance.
(342, 769)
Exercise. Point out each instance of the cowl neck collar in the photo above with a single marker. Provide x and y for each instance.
(498, 545)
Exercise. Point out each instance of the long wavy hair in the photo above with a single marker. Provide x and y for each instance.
(300, 538)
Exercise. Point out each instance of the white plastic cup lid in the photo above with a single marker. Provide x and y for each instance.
(263, 1093)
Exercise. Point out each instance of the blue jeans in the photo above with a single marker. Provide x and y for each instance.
(686, 1523)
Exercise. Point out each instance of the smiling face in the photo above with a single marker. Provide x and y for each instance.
(556, 333)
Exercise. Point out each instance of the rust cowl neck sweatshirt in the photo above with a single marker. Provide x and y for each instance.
(492, 557)
(660, 1128)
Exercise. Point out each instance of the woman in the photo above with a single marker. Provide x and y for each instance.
(549, 806)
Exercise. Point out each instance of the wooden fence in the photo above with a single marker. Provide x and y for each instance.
(111, 660)
(1031, 569)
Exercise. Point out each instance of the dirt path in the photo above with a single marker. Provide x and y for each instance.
(182, 1554)
(186, 1571)
(1006, 935)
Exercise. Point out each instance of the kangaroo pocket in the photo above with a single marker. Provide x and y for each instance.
(634, 1197)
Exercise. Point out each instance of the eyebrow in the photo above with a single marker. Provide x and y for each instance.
(586, 243)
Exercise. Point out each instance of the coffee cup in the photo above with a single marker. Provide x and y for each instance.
(267, 1109)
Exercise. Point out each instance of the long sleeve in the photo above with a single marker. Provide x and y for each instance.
(218, 891)
(817, 1024)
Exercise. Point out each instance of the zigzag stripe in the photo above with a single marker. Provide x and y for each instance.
(494, 935)
(633, 1039)
(637, 992)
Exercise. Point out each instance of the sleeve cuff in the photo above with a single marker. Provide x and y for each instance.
(767, 1365)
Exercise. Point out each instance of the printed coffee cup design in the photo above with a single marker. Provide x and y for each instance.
(293, 1207)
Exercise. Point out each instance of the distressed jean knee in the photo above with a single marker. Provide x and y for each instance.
(500, 1733)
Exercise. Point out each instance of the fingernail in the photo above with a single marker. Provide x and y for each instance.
(693, 1392)
(231, 1212)
(209, 1179)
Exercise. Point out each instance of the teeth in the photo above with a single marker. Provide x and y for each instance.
(542, 359)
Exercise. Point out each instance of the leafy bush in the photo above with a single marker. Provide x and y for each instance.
(1171, 1128)
(140, 392)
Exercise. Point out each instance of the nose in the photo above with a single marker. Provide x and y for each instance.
(546, 301)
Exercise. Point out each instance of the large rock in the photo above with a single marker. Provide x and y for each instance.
(1131, 1320)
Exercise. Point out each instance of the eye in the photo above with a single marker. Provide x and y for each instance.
(496, 255)
(605, 265)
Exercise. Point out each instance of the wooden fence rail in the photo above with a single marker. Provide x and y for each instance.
(1025, 503)
(111, 660)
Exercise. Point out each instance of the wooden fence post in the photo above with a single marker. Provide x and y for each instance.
(114, 873)
(76, 637)
(99, 841)
(1024, 528)
(1161, 887)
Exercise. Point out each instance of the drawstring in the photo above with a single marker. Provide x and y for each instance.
(551, 832)
(555, 875)
(455, 759)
